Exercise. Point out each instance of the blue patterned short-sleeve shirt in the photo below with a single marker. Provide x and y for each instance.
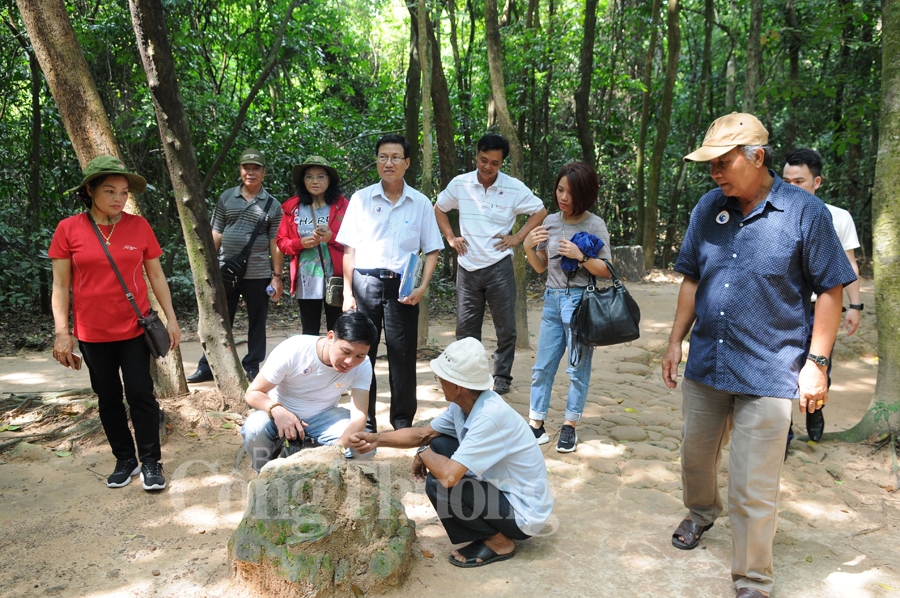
(755, 276)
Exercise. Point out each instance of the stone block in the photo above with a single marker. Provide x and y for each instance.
(317, 525)
(628, 261)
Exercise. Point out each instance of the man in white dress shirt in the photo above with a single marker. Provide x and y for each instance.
(384, 224)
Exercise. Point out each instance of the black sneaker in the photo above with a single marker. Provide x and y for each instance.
(540, 435)
(567, 439)
(125, 468)
(152, 476)
(501, 386)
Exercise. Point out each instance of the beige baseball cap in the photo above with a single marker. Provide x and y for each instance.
(728, 132)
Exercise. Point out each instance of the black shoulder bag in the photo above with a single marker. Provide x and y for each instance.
(607, 316)
(155, 334)
(235, 267)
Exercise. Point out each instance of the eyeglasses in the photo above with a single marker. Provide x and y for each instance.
(392, 159)
(319, 178)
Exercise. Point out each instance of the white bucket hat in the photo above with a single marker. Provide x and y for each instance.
(465, 364)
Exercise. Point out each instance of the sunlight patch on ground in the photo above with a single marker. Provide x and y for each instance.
(860, 585)
(24, 378)
(602, 450)
(814, 510)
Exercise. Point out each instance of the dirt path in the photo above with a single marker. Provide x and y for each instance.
(617, 496)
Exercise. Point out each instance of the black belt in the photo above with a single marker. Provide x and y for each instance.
(378, 273)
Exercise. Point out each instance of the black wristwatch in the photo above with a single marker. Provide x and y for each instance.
(584, 258)
(422, 449)
(819, 360)
(856, 306)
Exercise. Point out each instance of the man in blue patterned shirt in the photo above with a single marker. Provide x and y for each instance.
(755, 250)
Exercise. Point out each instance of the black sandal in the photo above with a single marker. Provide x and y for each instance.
(691, 532)
(478, 550)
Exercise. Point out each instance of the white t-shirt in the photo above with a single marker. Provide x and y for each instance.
(305, 385)
(844, 227)
(384, 233)
(486, 213)
(498, 446)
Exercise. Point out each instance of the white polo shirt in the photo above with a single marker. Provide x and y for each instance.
(486, 213)
(498, 446)
(383, 233)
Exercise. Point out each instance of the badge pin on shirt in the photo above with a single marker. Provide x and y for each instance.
(723, 217)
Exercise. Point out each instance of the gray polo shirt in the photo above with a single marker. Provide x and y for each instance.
(235, 218)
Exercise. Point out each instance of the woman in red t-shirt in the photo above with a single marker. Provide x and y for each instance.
(309, 226)
(103, 319)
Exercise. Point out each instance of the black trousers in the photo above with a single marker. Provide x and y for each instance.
(257, 300)
(377, 298)
(471, 510)
(311, 315)
(104, 361)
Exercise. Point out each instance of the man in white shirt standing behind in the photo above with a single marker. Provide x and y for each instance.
(384, 224)
(488, 202)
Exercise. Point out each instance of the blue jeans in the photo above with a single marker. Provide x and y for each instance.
(262, 443)
(559, 305)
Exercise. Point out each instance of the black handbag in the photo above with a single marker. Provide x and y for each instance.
(607, 316)
(234, 268)
(155, 334)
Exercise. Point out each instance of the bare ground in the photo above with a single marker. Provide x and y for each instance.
(617, 497)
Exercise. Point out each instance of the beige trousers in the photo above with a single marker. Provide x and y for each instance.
(757, 427)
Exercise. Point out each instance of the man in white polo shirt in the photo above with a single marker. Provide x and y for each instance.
(384, 224)
(484, 472)
(297, 390)
(488, 202)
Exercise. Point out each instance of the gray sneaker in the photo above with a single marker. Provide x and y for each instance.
(567, 439)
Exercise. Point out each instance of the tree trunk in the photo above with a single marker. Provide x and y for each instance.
(148, 19)
(886, 231)
(412, 103)
(34, 176)
(245, 105)
(87, 126)
(583, 92)
(427, 158)
(516, 159)
(645, 120)
(651, 214)
(443, 114)
(793, 39)
(754, 57)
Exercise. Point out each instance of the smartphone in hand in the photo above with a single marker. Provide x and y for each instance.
(77, 359)
(322, 229)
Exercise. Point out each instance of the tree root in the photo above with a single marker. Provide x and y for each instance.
(884, 501)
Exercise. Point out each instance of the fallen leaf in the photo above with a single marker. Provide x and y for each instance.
(811, 442)
(228, 425)
(888, 588)
(192, 434)
(839, 482)
(4, 428)
(63, 453)
(428, 554)
(844, 511)
(130, 536)
(356, 591)
(13, 428)
(630, 410)
(809, 559)
(620, 401)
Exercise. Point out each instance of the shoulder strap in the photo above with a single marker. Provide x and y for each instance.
(259, 224)
(128, 294)
(319, 246)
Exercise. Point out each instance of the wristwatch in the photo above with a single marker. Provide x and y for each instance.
(856, 306)
(422, 449)
(584, 258)
(819, 360)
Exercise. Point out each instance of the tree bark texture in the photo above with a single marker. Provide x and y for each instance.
(754, 56)
(411, 104)
(425, 55)
(84, 118)
(663, 125)
(647, 80)
(886, 229)
(583, 92)
(148, 19)
(516, 159)
(793, 44)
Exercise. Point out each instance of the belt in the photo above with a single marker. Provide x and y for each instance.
(378, 273)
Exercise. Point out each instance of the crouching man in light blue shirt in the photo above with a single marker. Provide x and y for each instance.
(483, 470)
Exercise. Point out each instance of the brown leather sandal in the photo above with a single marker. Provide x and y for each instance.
(691, 532)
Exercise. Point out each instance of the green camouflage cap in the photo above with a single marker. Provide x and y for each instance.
(102, 165)
(298, 172)
(253, 156)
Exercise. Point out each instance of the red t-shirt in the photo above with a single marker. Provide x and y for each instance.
(100, 311)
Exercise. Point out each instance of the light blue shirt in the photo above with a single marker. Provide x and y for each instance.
(497, 446)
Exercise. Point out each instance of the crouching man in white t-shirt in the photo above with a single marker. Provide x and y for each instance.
(297, 390)
(483, 470)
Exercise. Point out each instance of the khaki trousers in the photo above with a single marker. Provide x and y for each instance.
(757, 427)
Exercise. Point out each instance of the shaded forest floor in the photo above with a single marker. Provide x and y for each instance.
(617, 497)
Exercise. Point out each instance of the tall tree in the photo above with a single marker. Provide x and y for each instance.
(754, 57)
(583, 92)
(663, 125)
(149, 22)
(793, 43)
(411, 103)
(886, 228)
(425, 54)
(516, 159)
(647, 82)
(87, 125)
